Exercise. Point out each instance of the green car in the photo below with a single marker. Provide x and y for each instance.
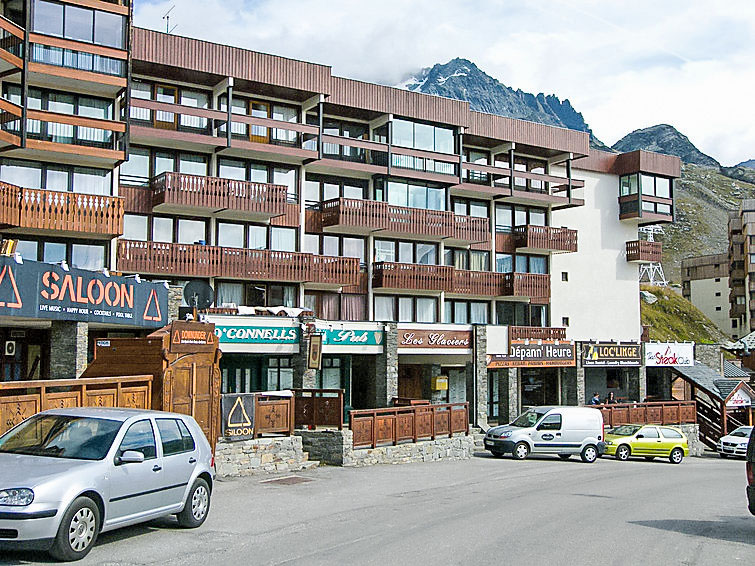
(649, 441)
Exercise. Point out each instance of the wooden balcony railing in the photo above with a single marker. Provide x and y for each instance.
(370, 215)
(318, 407)
(195, 260)
(643, 251)
(60, 212)
(194, 191)
(546, 238)
(386, 274)
(533, 285)
(372, 427)
(536, 333)
(662, 412)
(20, 400)
(483, 283)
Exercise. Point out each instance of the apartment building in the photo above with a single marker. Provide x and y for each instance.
(444, 253)
(705, 283)
(741, 266)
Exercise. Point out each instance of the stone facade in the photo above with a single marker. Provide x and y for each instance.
(69, 342)
(384, 386)
(508, 394)
(638, 383)
(335, 447)
(175, 294)
(479, 376)
(710, 355)
(260, 456)
(692, 431)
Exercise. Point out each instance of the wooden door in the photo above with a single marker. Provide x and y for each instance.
(410, 381)
(193, 393)
(166, 120)
(259, 134)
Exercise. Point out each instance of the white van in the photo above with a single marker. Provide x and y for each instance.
(550, 430)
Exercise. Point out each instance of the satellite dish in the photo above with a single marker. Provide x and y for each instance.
(199, 294)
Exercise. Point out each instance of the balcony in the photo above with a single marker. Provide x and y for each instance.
(61, 213)
(193, 194)
(414, 277)
(366, 216)
(735, 311)
(539, 239)
(646, 209)
(642, 251)
(536, 333)
(193, 260)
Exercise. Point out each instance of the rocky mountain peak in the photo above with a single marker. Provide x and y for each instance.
(663, 138)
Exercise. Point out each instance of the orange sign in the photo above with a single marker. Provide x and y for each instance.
(191, 337)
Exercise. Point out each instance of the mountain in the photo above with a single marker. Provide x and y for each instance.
(672, 317)
(663, 138)
(749, 163)
(463, 80)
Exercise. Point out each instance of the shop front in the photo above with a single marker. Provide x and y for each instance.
(614, 367)
(660, 357)
(50, 316)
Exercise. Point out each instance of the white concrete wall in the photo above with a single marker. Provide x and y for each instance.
(703, 296)
(601, 297)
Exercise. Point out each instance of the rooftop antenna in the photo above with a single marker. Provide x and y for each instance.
(166, 17)
(652, 272)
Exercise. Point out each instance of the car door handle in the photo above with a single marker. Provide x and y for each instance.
(156, 468)
(558, 434)
(192, 460)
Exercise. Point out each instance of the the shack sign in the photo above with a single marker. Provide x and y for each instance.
(663, 354)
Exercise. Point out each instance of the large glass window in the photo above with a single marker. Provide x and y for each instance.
(228, 294)
(422, 136)
(135, 227)
(232, 169)
(48, 18)
(426, 309)
(192, 164)
(78, 24)
(401, 193)
(385, 309)
(91, 181)
(109, 29)
(54, 252)
(88, 256)
(22, 174)
(191, 231)
(283, 239)
(230, 235)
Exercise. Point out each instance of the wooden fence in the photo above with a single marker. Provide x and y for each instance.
(273, 414)
(662, 412)
(318, 407)
(22, 399)
(371, 427)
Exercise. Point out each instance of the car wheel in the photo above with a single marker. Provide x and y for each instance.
(676, 456)
(649, 458)
(564, 456)
(521, 451)
(197, 505)
(589, 454)
(77, 532)
(623, 452)
(497, 454)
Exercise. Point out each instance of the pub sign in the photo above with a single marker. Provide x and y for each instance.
(611, 354)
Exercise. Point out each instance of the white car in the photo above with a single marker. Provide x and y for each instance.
(734, 443)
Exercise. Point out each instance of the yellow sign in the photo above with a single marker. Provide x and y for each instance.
(440, 383)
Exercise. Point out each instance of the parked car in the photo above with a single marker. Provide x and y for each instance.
(67, 475)
(750, 467)
(650, 441)
(734, 443)
(563, 431)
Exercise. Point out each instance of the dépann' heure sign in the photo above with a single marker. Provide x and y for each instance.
(47, 291)
(546, 354)
(257, 334)
(461, 339)
(659, 354)
(601, 354)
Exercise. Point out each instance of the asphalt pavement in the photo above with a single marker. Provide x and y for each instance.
(479, 511)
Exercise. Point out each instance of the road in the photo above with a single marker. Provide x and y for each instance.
(479, 511)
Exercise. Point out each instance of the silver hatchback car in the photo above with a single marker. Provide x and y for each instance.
(67, 475)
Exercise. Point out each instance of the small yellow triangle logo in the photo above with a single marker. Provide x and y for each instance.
(237, 416)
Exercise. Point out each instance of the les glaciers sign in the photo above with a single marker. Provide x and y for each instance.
(662, 354)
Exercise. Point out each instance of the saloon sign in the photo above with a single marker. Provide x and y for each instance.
(521, 354)
(607, 354)
(659, 354)
(46, 291)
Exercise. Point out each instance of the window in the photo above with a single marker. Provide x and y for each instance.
(564, 276)
(191, 231)
(406, 252)
(414, 195)
(670, 432)
(718, 293)
(48, 18)
(54, 252)
(283, 239)
(135, 227)
(465, 312)
(551, 422)
(280, 374)
(192, 164)
(135, 171)
(649, 432)
(286, 177)
(565, 321)
(232, 169)
(422, 136)
(385, 308)
(504, 263)
(141, 438)
(385, 250)
(109, 29)
(718, 309)
(426, 309)
(229, 294)
(30, 249)
(230, 235)
(628, 185)
(80, 24)
(88, 256)
(162, 229)
(174, 436)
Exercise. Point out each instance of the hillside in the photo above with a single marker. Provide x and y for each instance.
(674, 318)
(703, 200)
(663, 138)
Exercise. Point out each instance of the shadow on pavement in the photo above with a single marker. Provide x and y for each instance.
(731, 529)
(18, 557)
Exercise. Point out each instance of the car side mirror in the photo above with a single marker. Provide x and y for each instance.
(130, 457)
(640, 436)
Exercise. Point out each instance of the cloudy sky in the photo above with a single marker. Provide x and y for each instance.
(624, 64)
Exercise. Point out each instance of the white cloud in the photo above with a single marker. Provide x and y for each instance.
(623, 64)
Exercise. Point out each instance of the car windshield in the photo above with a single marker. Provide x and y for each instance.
(528, 419)
(61, 436)
(625, 430)
(743, 431)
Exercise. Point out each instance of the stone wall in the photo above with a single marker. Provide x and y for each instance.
(69, 342)
(692, 431)
(260, 456)
(710, 355)
(335, 447)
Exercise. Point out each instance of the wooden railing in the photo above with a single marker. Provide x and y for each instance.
(482, 283)
(661, 412)
(59, 211)
(318, 407)
(376, 215)
(536, 333)
(372, 427)
(548, 184)
(22, 399)
(273, 415)
(546, 238)
(195, 260)
(387, 274)
(644, 251)
(11, 42)
(216, 193)
(533, 285)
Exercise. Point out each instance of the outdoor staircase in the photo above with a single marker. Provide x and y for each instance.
(478, 435)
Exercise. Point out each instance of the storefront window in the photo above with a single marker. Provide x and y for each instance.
(280, 374)
(54, 252)
(28, 249)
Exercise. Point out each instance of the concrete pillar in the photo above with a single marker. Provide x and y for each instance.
(384, 384)
(69, 342)
(508, 395)
(175, 294)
